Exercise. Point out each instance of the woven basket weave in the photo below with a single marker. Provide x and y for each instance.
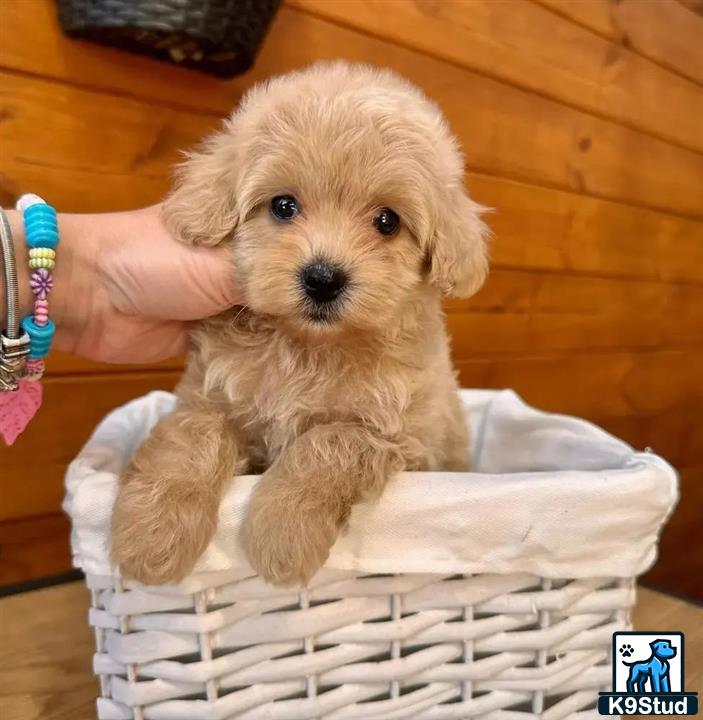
(220, 37)
(360, 645)
(494, 647)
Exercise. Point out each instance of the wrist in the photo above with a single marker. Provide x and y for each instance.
(71, 297)
(74, 276)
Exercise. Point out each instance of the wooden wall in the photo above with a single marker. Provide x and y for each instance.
(583, 126)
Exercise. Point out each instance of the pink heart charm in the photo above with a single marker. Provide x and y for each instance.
(18, 408)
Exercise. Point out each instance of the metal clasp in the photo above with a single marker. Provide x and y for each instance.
(13, 354)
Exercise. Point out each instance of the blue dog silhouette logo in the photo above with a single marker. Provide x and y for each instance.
(648, 676)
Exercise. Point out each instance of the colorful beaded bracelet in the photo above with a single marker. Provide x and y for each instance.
(41, 233)
(23, 350)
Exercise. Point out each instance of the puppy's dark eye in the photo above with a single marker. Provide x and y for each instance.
(284, 207)
(387, 222)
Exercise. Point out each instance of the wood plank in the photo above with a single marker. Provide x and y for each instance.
(509, 132)
(664, 31)
(46, 651)
(534, 48)
(695, 6)
(654, 611)
(592, 14)
(676, 435)
(59, 363)
(32, 469)
(518, 312)
(540, 228)
(675, 567)
(92, 151)
(54, 55)
(80, 189)
(593, 385)
(34, 547)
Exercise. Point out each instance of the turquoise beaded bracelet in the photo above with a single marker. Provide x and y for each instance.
(41, 231)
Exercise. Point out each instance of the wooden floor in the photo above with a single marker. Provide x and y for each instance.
(46, 649)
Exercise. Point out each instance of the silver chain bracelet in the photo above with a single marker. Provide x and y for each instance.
(14, 347)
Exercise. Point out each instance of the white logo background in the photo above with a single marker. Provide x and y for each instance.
(641, 651)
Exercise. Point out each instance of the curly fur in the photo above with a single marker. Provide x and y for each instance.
(326, 410)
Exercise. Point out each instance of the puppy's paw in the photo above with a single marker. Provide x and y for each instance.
(157, 540)
(286, 543)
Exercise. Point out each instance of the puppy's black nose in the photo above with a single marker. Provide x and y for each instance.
(322, 281)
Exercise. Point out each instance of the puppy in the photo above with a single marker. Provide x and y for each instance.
(339, 191)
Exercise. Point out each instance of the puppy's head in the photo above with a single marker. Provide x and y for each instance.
(663, 649)
(341, 190)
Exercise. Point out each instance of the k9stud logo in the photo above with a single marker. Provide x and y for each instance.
(648, 675)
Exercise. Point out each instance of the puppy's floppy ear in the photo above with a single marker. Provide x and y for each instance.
(457, 250)
(202, 209)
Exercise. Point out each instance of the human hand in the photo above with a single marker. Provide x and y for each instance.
(125, 290)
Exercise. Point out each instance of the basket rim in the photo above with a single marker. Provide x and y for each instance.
(552, 524)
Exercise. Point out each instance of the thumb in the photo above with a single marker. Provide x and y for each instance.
(208, 284)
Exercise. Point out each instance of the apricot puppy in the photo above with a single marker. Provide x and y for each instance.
(339, 190)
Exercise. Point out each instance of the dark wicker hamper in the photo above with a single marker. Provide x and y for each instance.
(220, 37)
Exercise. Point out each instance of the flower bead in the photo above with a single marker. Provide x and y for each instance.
(41, 283)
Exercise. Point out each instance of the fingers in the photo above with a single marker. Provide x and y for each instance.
(207, 278)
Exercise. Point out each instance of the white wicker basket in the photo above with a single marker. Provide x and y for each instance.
(491, 595)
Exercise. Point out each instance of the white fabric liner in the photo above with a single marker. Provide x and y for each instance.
(551, 495)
